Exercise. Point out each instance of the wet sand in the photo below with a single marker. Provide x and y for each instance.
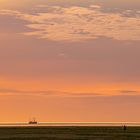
(69, 133)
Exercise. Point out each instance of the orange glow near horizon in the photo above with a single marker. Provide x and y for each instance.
(108, 89)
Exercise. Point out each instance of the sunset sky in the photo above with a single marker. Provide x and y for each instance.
(70, 60)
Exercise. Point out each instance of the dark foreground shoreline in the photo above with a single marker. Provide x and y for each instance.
(69, 133)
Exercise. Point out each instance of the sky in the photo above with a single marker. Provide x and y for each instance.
(70, 60)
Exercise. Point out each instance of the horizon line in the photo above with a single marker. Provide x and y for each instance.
(67, 122)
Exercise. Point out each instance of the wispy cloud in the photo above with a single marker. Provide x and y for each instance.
(8, 91)
(55, 93)
(79, 23)
(130, 92)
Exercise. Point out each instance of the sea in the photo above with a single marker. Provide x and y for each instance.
(22, 124)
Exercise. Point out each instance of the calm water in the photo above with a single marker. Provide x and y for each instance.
(68, 124)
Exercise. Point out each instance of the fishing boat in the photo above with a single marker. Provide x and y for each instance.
(33, 121)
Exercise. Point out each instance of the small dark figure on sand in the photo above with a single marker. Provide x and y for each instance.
(124, 128)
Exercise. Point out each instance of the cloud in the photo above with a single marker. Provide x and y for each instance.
(79, 23)
(129, 4)
(129, 92)
(13, 92)
(55, 93)
(4, 91)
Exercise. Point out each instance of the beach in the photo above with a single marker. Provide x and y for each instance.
(69, 133)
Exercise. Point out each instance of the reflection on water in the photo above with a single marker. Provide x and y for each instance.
(68, 124)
